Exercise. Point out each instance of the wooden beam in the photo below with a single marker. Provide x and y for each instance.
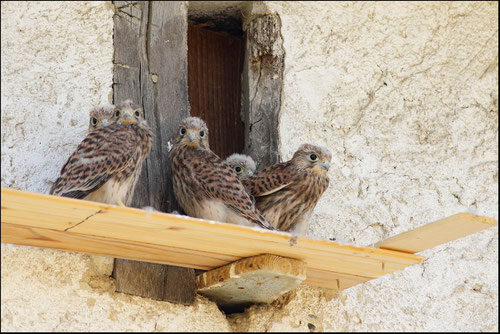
(256, 279)
(437, 233)
(150, 67)
(128, 233)
(262, 84)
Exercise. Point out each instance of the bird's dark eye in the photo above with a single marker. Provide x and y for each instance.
(93, 121)
(117, 113)
(238, 169)
(313, 157)
(183, 131)
(137, 113)
(202, 133)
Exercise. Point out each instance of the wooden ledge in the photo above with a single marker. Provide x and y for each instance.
(128, 233)
(257, 279)
(437, 233)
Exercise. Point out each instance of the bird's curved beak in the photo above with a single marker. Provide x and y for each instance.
(250, 173)
(105, 122)
(326, 165)
(127, 117)
(127, 113)
(191, 137)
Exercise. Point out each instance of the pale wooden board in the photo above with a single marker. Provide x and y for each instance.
(83, 226)
(89, 227)
(437, 233)
(257, 279)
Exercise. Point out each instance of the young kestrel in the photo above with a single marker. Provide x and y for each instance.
(105, 166)
(286, 193)
(243, 165)
(102, 115)
(204, 185)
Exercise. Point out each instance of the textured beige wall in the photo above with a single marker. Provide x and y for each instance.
(49, 290)
(404, 94)
(56, 64)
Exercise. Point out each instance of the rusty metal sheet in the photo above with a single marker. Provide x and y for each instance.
(215, 62)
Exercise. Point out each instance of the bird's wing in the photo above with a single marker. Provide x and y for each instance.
(220, 182)
(270, 179)
(102, 154)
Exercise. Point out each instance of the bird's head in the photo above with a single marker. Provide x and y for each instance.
(192, 132)
(128, 112)
(312, 157)
(101, 116)
(243, 165)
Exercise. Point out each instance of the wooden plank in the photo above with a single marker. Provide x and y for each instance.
(49, 238)
(142, 226)
(257, 279)
(437, 233)
(157, 237)
(151, 278)
(43, 237)
(333, 280)
(150, 67)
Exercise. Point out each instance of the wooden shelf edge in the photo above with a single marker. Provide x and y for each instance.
(436, 233)
(76, 225)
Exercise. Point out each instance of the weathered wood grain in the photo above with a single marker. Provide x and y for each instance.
(262, 86)
(150, 67)
(150, 279)
(257, 279)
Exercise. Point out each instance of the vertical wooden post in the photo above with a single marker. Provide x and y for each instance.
(262, 86)
(150, 67)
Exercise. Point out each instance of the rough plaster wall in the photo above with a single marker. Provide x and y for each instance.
(417, 148)
(405, 95)
(56, 64)
(49, 290)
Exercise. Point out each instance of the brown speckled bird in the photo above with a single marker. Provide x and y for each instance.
(204, 185)
(101, 116)
(286, 193)
(107, 163)
(243, 165)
